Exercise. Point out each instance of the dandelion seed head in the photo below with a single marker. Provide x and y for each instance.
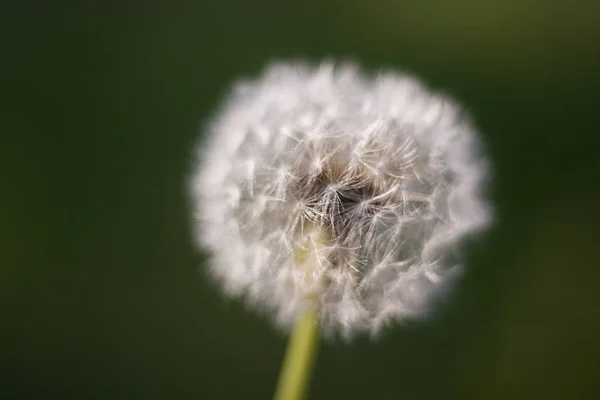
(390, 172)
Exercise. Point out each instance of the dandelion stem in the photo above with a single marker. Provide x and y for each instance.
(302, 346)
(299, 358)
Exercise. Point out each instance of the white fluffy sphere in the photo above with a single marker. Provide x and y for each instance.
(386, 174)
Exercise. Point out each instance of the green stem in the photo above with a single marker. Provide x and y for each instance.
(301, 350)
(299, 358)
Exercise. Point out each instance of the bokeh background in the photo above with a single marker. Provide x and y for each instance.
(103, 295)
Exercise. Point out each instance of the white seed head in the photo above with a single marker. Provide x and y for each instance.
(376, 177)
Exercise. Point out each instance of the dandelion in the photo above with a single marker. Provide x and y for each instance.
(321, 189)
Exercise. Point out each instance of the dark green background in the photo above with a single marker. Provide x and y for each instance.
(102, 294)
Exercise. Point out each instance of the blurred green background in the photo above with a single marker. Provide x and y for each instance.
(102, 294)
